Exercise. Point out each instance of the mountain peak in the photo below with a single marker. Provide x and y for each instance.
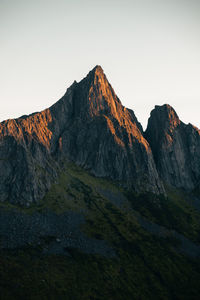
(162, 123)
(97, 69)
(165, 115)
(88, 126)
(96, 95)
(165, 108)
(175, 147)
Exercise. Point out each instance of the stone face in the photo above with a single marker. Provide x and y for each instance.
(91, 127)
(88, 126)
(101, 135)
(176, 148)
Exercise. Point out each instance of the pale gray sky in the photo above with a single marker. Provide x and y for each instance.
(149, 50)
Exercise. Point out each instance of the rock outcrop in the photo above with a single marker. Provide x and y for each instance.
(101, 135)
(176, 148)
(27, 168)
(88, 126)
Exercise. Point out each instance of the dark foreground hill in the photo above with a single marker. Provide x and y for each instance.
(94, 208)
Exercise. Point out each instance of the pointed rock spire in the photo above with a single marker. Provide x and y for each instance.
(175, 146)
(105, 137)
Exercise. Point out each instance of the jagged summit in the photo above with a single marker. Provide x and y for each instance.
(94, 96)
(165, 115)
(97, 69)
(175, 146)
(97, 94)
(161, 123)
(88, 126)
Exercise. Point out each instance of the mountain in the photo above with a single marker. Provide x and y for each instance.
(92, 207)
(88, 126)
(176, 148)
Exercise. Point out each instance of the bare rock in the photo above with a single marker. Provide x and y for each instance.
(176, 148)
(88, 126)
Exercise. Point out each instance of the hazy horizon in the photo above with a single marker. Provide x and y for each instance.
(149, 51)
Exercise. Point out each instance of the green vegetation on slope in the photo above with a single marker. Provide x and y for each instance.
(173, 212)
(144, 267)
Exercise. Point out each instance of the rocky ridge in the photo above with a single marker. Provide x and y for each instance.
(88, 126)
(91, 127)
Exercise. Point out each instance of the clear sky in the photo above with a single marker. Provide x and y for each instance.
(149, 50)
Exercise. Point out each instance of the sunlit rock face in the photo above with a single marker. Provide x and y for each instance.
(88, 126)
(176, 148)
(101, 135)
(27, 169)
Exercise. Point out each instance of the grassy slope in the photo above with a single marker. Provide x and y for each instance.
(145, 267)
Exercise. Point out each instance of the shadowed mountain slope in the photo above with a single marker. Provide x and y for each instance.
(90, 239)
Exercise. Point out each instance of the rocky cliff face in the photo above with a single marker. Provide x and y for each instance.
(101, 135)
(88, 126)
(176, 148)
(27, 168)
